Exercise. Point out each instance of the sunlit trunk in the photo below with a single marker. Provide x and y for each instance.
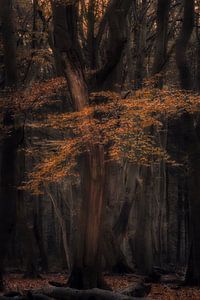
(86, 270)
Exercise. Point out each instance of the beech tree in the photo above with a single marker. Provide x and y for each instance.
(86, 270)
(98, 47)
(86, 265)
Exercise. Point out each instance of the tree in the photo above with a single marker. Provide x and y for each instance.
(192, 146)
(182, 45)
(140, 34)
(8, 191)
(86, 271)
(87, 258)
(119, 128)
(163, 8)
(89, 48)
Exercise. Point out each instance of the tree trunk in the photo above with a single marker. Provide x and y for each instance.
(115, 259)
(86, 268)
(91, 41)
(9, 42)
(163, 7)
(140, 33)
(8, 192)
(116, 18)
(7, 196)
(193, 149)
(182, 45)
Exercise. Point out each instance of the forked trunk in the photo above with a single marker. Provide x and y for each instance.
(86, 267)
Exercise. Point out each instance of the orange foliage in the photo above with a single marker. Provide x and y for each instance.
(125, 127)
(31, 98)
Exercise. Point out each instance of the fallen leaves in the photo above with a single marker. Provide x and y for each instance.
(16, 282)
(163, 292)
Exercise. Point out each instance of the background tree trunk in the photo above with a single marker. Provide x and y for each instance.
(163, 8)
(9, 42)
(192, 147)
(182, 45)
(8, 192)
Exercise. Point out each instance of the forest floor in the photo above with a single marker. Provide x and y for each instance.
(16, 282)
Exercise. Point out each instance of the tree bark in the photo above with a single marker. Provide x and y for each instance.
(8, 191)
(86, 267)
(9, 42)
(182, 45)
(140, 32)
(192, 144)
(91, 41)
(163, 7)
(115, 17)
(192, 147)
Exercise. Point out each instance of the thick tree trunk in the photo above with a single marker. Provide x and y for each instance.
(193, 148)
(86, 271)
(8, 192)
(116, 18)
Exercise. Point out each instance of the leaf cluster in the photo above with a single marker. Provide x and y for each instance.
(125, 127)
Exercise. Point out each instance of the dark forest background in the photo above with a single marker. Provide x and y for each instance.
(145, 219)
